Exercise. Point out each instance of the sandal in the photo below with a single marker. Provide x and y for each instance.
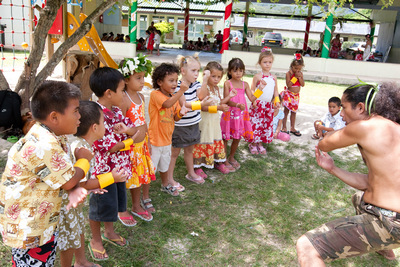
(315, 137)
(261, 149)
(296, 133)
(170, 190)
(129, 218)
(140, 215)
(200, 173)
(115, 240)
(91, 250)
(221, 167)
(196, 181)
(146, 204)
(253, 149)
(179, 187)
(235, 164)
(229, 167)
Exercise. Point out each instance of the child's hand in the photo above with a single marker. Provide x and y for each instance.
(262, 84)
(98, 191)
(224, 107)
(206, 75)
(278, 105)
(120, 128)
(76, 195)
(183, 111)
(119, 175)
(184, 86)
(275, 135)
(241, 106)
(254, 104)
(83, 153)
(299, 74)
(207, 101)
(232, 93)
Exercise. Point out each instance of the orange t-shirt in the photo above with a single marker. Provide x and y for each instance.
(162, 121)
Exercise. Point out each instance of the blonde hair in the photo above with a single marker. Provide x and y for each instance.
(265, 54)
(183, 61)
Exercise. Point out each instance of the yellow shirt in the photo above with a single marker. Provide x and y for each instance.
(30, 190)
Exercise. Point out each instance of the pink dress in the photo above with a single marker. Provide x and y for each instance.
(235, 123)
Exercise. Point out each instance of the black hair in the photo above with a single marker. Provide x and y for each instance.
(234, 64)
(103, 79)
(335, 100)
(52, 96)
(161, 71)
(357, 94)
(91, 113)
(387, 101)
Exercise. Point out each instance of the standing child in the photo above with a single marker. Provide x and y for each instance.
(134, 71)
(277, 124)
(332, 120)
(164, 110)
(211, 147)
(112, 151)
(186, 133)
(71, 238)
(150, 45)
(265, 88)
(291, 94)
(235, 123)
(39, 166)
(157, 41)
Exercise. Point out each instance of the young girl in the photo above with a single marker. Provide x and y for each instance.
(211, 147)
(150, 45)
(261, 112)
(186, 133)
(235, 123)
(134, 71)
(291, 94)
(277, 124)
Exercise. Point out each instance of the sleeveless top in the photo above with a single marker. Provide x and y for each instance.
(136, 112)
(297, 83)
(268, 91)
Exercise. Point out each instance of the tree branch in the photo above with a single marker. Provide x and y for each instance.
(71, 41)
(3, 82)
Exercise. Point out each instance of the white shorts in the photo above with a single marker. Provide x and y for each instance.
(161, 157)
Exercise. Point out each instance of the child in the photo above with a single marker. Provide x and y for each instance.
(246, 45)
(150, 45)
(332, 121)
(157, 41)
(262, 110)
(38, 167)
(277, 124)
(147, 40)
(186, 133)
(110, 152)
(211, 147)
(291, 94)
(235, 123)
(134, 71)
(71, 239)
(164, 110)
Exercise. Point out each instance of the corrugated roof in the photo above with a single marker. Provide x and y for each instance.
(300, 25)
(181, 5)
(178, 12)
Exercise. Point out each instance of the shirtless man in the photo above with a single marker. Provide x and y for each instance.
(376, 227)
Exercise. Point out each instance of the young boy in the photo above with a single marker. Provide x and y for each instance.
(157, 41)
(164, 110)
(332, 121)
(112, 151)
(71, 239)
(38, 167)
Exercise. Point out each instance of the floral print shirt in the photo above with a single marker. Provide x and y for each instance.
(106, 161)
(30, 190)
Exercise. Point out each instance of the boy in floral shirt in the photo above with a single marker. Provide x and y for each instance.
(38, 167)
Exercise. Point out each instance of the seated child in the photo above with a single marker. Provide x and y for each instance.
(332, 121)
(164, 110)
(277, 124)
(246, 45)
(39, 166)
(71, 239)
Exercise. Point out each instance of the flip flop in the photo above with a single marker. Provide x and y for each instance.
(235, 164)
(127, 218)
(387, 254)
(296, 133)
(196, 181)
(221, 167)
(115, 240)
(253, 149)
(315, 137)
(179, 187)
(229, 167)
(261, 149)
(140, 215)
(200, 173)
(91, 250)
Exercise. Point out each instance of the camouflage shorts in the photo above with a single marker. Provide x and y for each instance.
(351, 236)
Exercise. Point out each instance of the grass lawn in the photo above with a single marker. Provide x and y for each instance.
(251, 217)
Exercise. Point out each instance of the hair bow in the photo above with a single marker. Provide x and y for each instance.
(266, 49)
(297, 56)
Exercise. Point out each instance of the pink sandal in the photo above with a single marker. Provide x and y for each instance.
(200, 173)
(253, 149)
(261, 149)
(222, 168)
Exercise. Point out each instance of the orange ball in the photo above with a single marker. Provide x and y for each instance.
(24, 45)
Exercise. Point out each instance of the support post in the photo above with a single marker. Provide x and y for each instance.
(327, 37)
(372, 24)
(186, 32)
(133, 23)
(227, 26)
(308, 24)
(246, 20)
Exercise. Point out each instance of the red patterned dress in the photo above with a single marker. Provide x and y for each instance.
(142, 166)
(211, 147)
(291, 100)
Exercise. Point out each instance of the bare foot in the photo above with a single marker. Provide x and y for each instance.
(97, 251)
(387, 254)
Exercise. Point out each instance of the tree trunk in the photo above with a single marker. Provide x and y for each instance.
(28, 82)
(3, 82)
